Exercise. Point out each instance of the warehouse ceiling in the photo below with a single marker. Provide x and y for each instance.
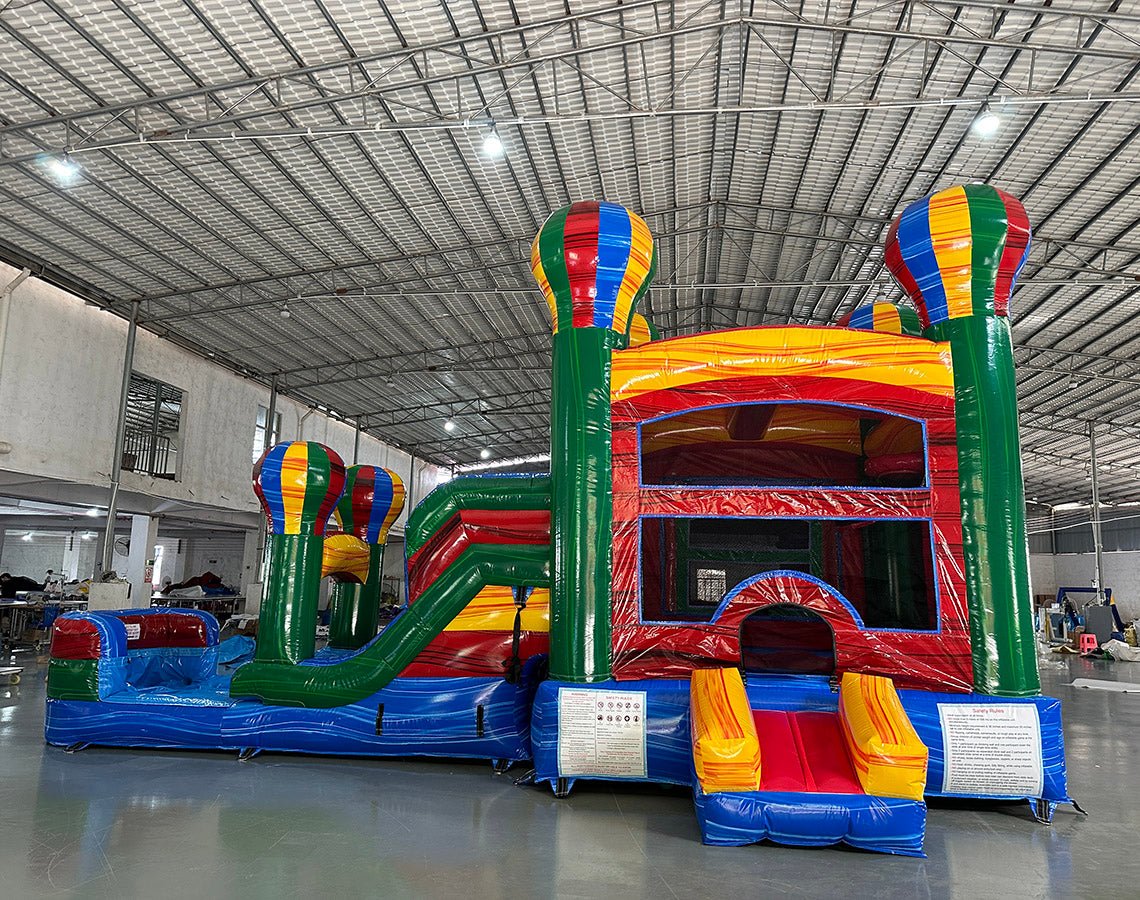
(307, 189)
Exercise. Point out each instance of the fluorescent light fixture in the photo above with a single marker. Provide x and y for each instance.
(449, 426)
(492, 144)
(485, 453)
(987, 123)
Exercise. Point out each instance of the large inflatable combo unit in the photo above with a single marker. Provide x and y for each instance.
(784, 566)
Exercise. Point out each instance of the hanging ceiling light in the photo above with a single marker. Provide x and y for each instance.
(93, 512)
(492, 143)
(63, 167)
(484, 453)
(987, 122)
(27, 537)
(285, 314)
(449, 426)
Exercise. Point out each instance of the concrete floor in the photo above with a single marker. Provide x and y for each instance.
(168, 824)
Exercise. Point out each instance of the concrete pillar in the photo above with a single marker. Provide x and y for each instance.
(251, 571)
(144, 535)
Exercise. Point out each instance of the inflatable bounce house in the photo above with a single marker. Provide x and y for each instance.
(785, 566)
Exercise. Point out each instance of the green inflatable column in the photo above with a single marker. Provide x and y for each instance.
(298, 483)
(593, 262)
(958, 253)
(373, 499)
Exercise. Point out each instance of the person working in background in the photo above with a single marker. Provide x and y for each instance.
(10, 584)
(53, 583)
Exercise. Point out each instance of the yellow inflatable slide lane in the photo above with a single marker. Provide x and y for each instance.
(493, 609)
(726, 751)
(889, 758)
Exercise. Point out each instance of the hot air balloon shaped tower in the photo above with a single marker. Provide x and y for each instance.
(591, 261)
(373, 500)
(957, 254)
(298, 484)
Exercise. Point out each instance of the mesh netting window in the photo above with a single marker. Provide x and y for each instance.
(882, 567)
(689, 564)
(783, 444)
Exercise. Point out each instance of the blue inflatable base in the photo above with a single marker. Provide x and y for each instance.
(880, 824)
(477, 718)
(668, 746)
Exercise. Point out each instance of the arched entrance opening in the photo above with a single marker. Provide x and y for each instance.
(786, 638)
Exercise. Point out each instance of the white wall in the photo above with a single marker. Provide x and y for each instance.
(1042, 574)
(1121, 573)
(220, 554)
(60, 377)
(33, 558)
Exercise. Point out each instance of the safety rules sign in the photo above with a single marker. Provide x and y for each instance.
(601, 733)
(992, 749)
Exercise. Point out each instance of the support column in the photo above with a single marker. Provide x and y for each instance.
(120, 440)
(251, 583)
(266, 443)
(144, 535)
(1098, 543)
(6, 309)
(581, 522)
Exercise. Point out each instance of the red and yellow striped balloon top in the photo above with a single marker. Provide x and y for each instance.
(590, 260)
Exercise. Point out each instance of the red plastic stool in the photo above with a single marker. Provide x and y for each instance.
(1088, 642)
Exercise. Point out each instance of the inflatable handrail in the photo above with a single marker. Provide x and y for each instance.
(889, 758)
(473, 492)
(726, 749)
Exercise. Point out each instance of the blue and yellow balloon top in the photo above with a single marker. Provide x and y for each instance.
(958, 252)
(888, 318)
(298, 484)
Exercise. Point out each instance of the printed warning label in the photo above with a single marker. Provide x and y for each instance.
(601, 733)
(992, 749)
(134, 630)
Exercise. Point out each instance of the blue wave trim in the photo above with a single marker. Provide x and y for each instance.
(421, 717)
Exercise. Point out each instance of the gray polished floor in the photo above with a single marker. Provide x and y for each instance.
(121, 823)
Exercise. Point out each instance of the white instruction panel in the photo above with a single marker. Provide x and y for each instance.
(134, 630)
(992, 749)
(601, 733)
